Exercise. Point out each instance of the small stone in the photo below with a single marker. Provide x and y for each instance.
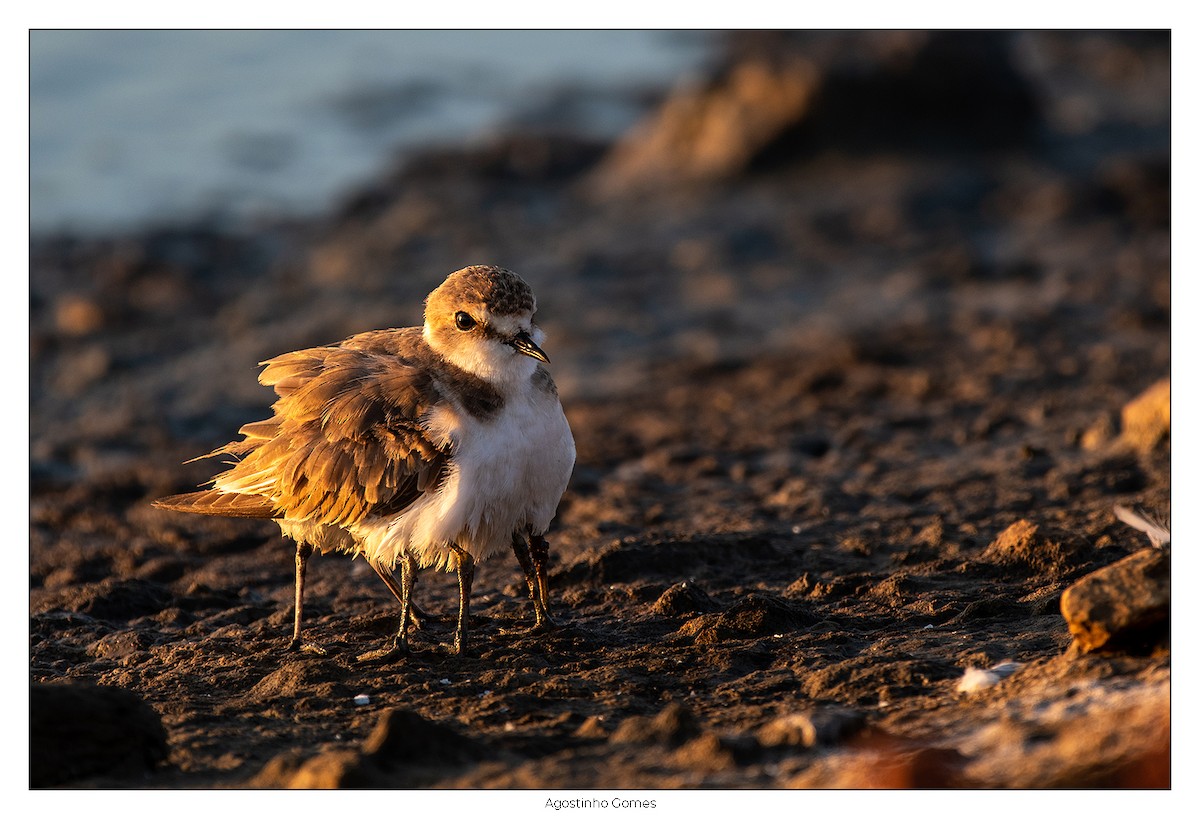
(1146, 420)
(362, 699)
(1126, 604)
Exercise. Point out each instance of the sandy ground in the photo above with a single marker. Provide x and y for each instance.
(811, 394)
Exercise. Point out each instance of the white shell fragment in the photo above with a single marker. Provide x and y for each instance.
(1158, 531)
(977, 679)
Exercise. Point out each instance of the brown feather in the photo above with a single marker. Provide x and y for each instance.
(213, 502)
(345, 440)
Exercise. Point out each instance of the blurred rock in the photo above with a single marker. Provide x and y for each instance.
(334, 769)
(1125, 605)
(78, 730)
(707, 752)
(780, 95)
(1146, 420)
(76, 315)
(403, 750)
(883, 760)
(405, 738)
(673, 726)
(808, 729)
(1102, 431)
(713, 129)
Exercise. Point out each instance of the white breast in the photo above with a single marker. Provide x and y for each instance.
(507, 473)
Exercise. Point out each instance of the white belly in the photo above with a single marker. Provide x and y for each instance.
(507, 473)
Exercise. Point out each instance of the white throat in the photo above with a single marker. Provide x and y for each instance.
(497, 363)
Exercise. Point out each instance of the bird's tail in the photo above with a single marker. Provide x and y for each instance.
(215, 502)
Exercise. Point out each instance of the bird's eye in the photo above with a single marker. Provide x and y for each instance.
(463, 321)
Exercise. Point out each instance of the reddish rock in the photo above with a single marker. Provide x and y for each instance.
(1125, 604)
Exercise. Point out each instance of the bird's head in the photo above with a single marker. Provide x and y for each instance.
(481, 320)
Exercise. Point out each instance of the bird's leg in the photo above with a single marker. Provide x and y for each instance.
(403, 592)
(521, 550)
(539, 550)
(541, 617)
(303, 553)
(389, 580)
(466, 576)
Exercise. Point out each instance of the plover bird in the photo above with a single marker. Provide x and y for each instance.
(434, 446)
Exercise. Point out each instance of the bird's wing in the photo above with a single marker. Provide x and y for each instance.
(345, 440)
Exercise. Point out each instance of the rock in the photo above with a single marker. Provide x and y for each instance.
(78, 730)
(713, 129)
(683, 599)
(1146, 420)
(1127, 604)
(707, 752)
(673, 726)
(778, 95)
(334, 769)
(808, 729)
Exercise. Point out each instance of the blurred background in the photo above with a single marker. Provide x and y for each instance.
(130, 127)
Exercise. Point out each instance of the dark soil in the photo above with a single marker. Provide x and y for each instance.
(809, 397)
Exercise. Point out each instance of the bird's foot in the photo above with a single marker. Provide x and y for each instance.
(543, 626)
(296, 646)
(456, 649)
(419, 618)
(387, 654)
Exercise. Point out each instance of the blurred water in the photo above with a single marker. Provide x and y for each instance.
(130, 127)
